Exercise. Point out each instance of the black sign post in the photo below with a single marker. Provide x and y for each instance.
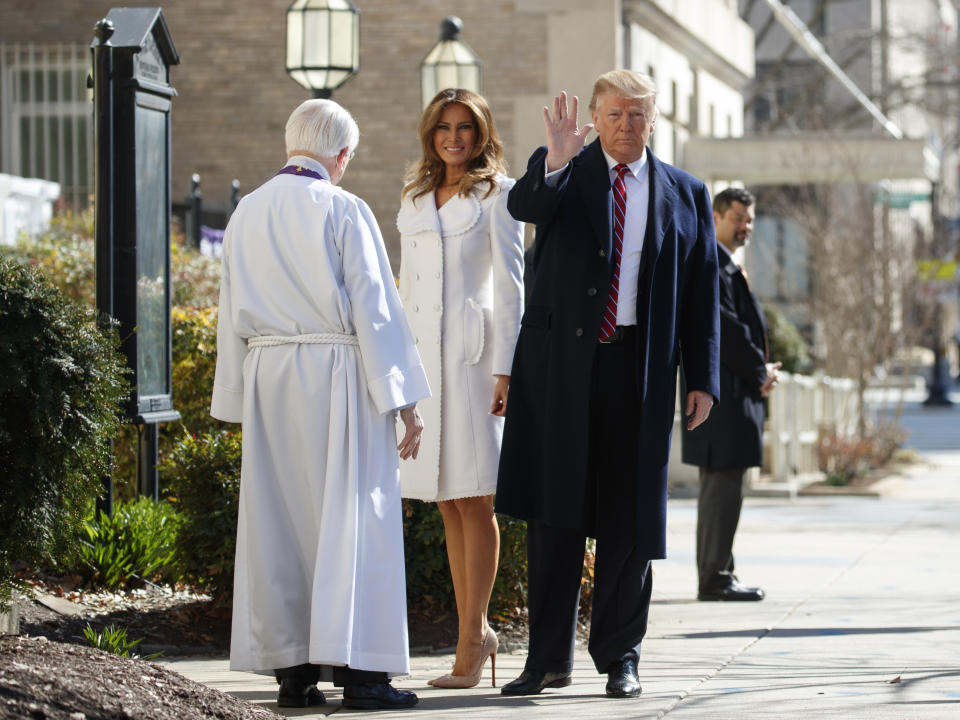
(132, 55)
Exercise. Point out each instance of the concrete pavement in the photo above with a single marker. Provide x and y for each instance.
(861, 620)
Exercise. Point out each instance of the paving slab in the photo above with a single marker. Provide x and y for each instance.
(861, 619)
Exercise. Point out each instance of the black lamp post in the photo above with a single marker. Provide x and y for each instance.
(450, 64)
(323, 44)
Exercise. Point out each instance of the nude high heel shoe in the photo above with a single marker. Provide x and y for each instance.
(488, 649)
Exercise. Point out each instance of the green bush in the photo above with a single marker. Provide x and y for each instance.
(201, 477)
(510, 589)
(60, 390)
(429, 587)
(194, 278)
(137, 542)
(65, 254)
(113, 639)
(194, 364)
(786, 343)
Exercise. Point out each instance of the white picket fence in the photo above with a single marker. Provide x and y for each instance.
(800, 409)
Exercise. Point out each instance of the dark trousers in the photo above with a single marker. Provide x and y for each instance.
(718, 513)
(622, 578)
(310, 674)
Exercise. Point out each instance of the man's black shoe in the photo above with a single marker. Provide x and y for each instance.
(377, 696)
(297, 694)
(622, 680)
(735, 590)
(531, 682)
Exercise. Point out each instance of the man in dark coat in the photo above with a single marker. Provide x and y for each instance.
(731, 441)
(625, 285)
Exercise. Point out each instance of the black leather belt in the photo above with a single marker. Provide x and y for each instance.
(620, 333)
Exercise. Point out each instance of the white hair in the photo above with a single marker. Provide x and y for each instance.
(321, 127)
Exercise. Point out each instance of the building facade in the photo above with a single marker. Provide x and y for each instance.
(234, 94)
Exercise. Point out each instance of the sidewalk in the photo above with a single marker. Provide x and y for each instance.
(861, 620)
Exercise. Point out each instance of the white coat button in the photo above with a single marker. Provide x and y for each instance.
(416, 308)
(437, 308)
(413, 243)
(437, 275)
(418, 276)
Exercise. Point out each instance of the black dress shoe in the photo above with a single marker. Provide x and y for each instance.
(734, 590)
(622, 680)
(298, 694)
(377, 696)
(531, 682)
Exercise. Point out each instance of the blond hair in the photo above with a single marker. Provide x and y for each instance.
(486, 161)
(625, 83)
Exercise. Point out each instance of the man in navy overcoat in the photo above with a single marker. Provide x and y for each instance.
(731, 440)
(625, 289)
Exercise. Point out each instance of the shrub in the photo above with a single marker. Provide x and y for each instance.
(137, 543)
(510, 589)
(65, 254)
(113, 639)
(429, 587)
(194, 278)
(201, 477)
(60, 390)
(845, 458)
(842, 458)
(194, 364)
(786, 343)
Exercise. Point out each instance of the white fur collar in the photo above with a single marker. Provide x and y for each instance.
(422, 215)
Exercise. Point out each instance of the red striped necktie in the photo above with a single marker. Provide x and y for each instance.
(609, 322)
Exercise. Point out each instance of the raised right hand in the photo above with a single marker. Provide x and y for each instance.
(564, 138)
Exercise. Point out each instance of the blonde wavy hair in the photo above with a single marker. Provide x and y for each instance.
(486, 161)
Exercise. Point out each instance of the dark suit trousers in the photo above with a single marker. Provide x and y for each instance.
(718, 513)
(622, 579)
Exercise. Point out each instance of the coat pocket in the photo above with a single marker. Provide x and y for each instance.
(473, 332)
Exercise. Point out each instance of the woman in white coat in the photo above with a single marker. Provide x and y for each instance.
(461, 284)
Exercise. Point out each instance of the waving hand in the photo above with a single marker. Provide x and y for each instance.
(564, 138)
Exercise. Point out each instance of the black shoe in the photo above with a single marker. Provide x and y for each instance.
(734, 590)
(297, 694)
(377, 696)
(622, 680)
(531, 682)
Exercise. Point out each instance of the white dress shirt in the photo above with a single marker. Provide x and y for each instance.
(637, 183)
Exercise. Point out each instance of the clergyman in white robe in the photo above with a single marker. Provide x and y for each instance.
(314, 356)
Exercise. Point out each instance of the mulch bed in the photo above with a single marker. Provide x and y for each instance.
(186, 623)
(48, 671)
(62, 681)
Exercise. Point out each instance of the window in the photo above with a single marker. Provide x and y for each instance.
(46, 116)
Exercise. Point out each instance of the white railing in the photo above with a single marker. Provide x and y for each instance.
(800, 410)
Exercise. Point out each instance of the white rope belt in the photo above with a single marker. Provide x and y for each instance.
(310, 339)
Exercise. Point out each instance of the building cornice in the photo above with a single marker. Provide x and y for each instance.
(711, 35)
